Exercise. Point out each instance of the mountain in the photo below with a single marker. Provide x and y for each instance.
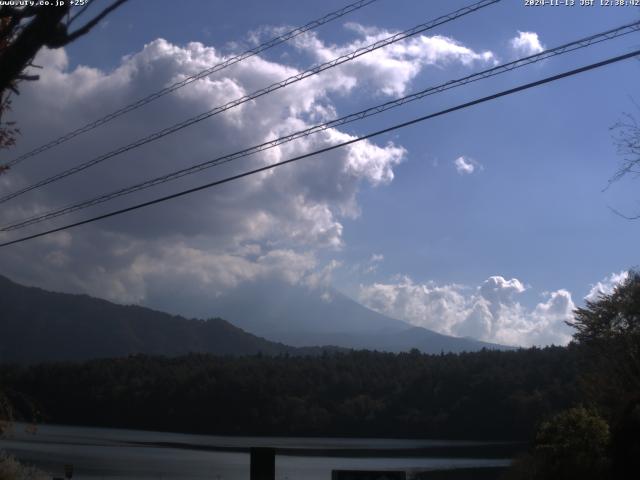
(314, 316)
(38, 326)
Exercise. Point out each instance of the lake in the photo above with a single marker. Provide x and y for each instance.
(104, 453)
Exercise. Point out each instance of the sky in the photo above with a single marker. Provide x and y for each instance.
(492, 222)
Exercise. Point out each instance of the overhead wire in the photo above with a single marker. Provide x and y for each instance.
(491, 72)
(189, 79)
(478, 101)
(259, 93)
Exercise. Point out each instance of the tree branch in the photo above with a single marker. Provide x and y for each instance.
(16, 56)
(626, 217)
(89, 25)
(19, 13)
(80, 12)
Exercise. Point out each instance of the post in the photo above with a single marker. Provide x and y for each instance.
(263, 463)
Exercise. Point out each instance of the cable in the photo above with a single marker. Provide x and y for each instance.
(259, 93)
(192, 78)
(503, 93)
(500, 69)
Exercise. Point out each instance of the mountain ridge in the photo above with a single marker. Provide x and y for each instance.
(297, 315)
(37, 325)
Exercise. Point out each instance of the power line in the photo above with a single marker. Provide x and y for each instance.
(192, 78)
(497, 70)
(503, 93)
(259, 93)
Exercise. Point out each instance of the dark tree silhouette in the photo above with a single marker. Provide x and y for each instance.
(608, 329)
(573, 444)
(625, 448)
(570, 444)
(610, 316)
(23, 32)
(8, 131)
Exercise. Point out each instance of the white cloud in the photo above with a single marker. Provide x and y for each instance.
(466, 165)
(438, 307)
(526, 43)
(490, 312)
(294, 209)
(372, 264)
(606, 285)
(272, 224)
(389, 70)
(497, 289)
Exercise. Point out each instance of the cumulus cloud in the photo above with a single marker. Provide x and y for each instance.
(466, 165)
(272, 224)
(606, 285)
(210, 238)
(526, 43)
(390, 70)
(490, 311)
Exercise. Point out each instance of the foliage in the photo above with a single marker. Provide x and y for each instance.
(610, 316)
(24, 30)
(8, 130)
(487, 394)
(574, 444)
(11, 469)
(608, 330)
(570, 444)
(625, 448)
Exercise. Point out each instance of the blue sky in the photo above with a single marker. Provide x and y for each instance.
(532, 210)
(535, 211)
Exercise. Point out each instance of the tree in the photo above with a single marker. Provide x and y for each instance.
(571, 444)
(625, 442)
(11, 469)
(608, 330)
(611, 316)
(23, 32)
(627, 140)
(8, 131)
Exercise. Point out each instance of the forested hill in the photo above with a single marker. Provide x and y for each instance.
(40, 326)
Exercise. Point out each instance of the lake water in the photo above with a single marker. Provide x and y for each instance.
(103, 453)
